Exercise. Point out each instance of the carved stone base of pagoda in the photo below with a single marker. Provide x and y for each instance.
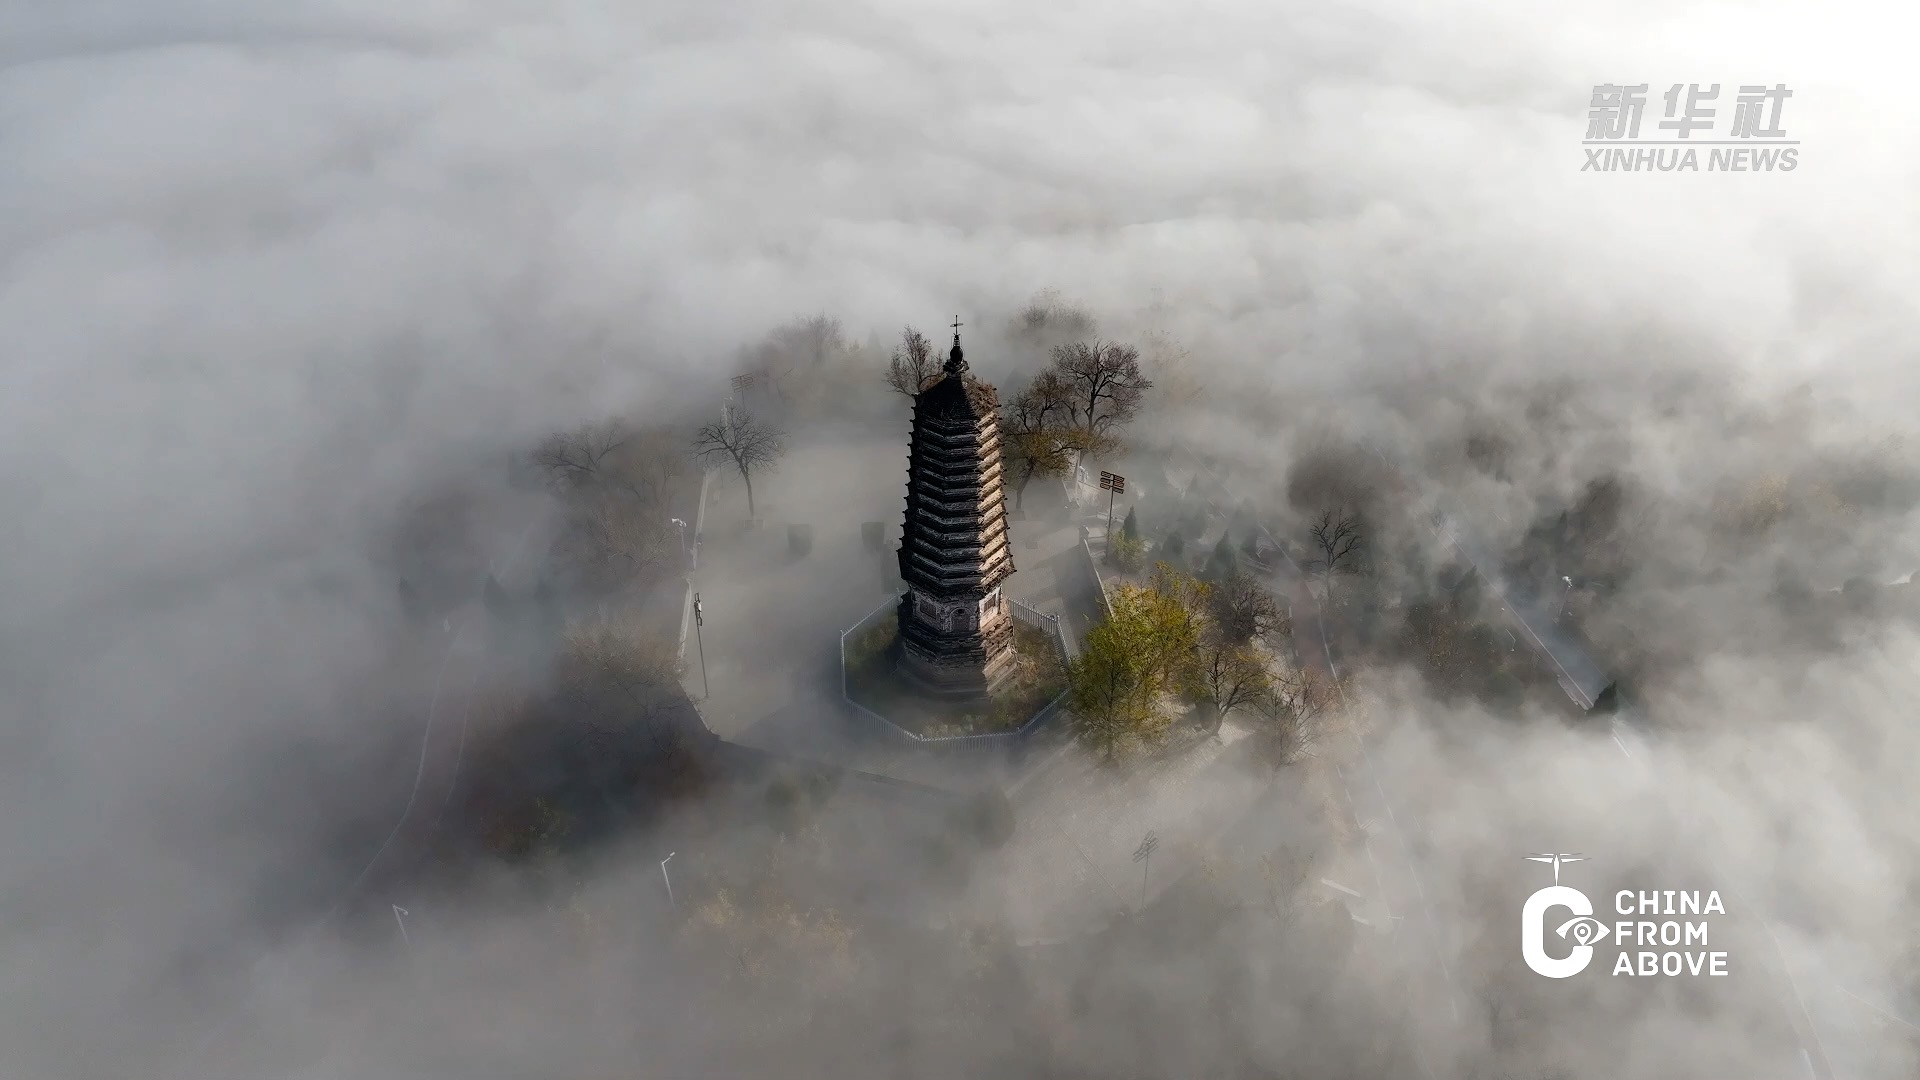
(959, 665)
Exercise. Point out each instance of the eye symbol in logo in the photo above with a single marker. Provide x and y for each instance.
(1585, 930)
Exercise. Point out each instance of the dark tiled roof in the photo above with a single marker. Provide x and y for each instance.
(959, 395)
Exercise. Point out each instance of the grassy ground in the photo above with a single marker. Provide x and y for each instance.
(1039, 676)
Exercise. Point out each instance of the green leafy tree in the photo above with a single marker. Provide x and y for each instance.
(1125, 553)
(1144, 651)
(1172, 605)
(1125, 549)
(1111, 688)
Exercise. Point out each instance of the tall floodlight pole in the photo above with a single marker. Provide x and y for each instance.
(1114, 484)
(699, 620)
(663, 877)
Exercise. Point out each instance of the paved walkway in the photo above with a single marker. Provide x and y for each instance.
(773, 619)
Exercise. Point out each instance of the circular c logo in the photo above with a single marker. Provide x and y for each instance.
(1533, 930)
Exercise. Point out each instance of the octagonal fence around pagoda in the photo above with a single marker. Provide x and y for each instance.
(1042, 720)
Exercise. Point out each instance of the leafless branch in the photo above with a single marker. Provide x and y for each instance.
(610, 541)
(1292, 709)
(1035, 429)
(1047, 318)
(1244, 609)
(1232, 675)
(573, 459)
(794, 353)
(619, 680)
(1106, 387)
(746, 442)
(1338, 537)
(912, 367)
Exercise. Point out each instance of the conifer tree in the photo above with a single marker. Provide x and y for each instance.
(1223, 562)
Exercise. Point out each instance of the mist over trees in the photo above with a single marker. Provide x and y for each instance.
(1175, 647)
(744, 441)
(336, 751)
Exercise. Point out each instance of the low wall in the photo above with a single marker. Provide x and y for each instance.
(1093, 568)
(1041, 720)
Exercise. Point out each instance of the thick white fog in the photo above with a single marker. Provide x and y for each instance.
(272, 275)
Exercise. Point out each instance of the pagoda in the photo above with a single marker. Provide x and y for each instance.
(956, 632)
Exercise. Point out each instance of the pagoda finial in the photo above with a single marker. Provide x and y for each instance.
(956, 361)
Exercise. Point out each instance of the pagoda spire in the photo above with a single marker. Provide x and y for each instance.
(956, 360)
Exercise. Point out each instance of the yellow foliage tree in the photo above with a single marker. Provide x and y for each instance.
(1111, 687)
(1146, 649)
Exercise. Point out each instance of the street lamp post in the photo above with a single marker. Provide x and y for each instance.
(699, 620)
(685, 562)
(399, 916)
(663, 877)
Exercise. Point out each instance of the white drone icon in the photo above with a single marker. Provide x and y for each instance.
(1557, 862)
(1585, 929)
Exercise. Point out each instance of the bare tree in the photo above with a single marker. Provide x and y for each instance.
(912, 367)
(1106, 388)
(1338, 539)
(797, 349)
(618, 679)
(610, 540)
(648, 467)
(612, 456)
(1035, 430)
(1048, 319)
(1293, 708)
(1171, 365)
(1230, 676)
(748, 443)
(581, 457)
(1244, 609)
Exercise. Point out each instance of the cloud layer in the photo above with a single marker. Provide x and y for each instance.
(270, 274)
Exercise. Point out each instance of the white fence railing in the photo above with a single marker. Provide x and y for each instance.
(1025, 613)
